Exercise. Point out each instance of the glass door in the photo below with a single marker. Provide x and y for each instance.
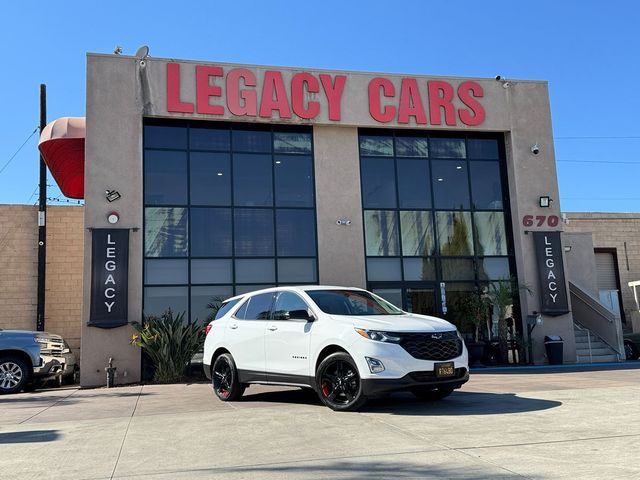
(422, 298)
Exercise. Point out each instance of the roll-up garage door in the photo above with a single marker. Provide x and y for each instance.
(606, 269)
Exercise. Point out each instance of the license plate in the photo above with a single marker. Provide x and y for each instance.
(445, 370)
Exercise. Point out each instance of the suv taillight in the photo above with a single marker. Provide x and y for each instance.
(207, 329)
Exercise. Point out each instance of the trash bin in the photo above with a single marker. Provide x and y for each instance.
(554, 345)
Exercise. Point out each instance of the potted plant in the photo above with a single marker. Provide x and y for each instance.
(476, 309)
(501, 295)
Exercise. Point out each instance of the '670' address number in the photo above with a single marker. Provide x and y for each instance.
(540, 220)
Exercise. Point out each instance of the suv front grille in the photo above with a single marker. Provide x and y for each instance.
(432, 345)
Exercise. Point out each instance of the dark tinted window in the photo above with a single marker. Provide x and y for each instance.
(377, 190)
(251, 141)
(209, 139)
(210, 178)
(252, 185)
(296, 233)
(165, 137)
(165, 178)
(253, 229)
(450, 184)
(483, 149)
(414, 185)
(486, 186)
(210, 232)
(289, 306)
(225, 307)
(294, 181)
(259, 307)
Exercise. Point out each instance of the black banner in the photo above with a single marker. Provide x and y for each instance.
(109, 277)
(553, 291)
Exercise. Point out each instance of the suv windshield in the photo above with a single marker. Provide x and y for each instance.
(351, 302)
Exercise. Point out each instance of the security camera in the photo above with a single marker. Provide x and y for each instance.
(347, 222)
(142, 63)
(535, 149)
(498, 78)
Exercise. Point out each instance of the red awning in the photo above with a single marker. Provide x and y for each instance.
(62, 146)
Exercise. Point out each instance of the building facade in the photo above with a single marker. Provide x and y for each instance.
(231, 178)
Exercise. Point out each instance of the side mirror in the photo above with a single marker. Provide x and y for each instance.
(302, 315)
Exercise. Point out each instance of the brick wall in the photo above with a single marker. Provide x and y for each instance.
(613, 230)
(19, 267)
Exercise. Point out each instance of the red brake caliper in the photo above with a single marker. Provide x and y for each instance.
(325, 389)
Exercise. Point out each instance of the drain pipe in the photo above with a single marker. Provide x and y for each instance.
(111, 373)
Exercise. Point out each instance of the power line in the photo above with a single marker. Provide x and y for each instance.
(602, 162)
(18, 151)
(629, 137)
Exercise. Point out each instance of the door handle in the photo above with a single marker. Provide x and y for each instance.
(233, 326)
(272, 327)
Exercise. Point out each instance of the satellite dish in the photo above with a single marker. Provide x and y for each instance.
(142, 52)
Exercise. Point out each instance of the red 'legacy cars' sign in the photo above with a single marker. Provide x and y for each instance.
(425, 102)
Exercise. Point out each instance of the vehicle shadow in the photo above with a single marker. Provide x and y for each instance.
(457, 404)
(46, 397)
(31, 436)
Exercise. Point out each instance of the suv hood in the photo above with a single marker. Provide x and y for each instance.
(407, 322)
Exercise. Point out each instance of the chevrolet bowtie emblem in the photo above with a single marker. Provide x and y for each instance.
(436, 336)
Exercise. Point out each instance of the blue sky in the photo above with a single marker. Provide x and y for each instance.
(587, 50)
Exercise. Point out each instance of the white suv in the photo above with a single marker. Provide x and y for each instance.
(346, 343)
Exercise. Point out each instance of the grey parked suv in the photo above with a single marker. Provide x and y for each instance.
(26, 356)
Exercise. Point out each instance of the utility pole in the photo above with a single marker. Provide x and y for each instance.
(42, 212)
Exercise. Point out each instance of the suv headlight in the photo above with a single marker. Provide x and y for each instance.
(378, 335)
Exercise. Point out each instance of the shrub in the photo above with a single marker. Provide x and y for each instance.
(170, 342)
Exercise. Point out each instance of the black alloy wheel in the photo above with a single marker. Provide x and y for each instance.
(338, 383)
(630, 351)
(430, 393)
(15, 374)
(224, 378)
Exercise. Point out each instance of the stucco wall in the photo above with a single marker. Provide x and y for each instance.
(619, 231)
(19, 266)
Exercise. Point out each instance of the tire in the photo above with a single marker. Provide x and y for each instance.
(431, 394)
(338, 383)
(15, 374)
(224, 379)
(631, 351)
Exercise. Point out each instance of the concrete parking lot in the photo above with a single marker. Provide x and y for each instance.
(530, 425)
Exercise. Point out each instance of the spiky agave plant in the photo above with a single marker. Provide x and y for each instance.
(170, 342)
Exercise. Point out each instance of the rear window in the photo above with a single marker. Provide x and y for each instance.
(225, 307)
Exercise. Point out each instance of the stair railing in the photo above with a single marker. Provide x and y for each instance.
(588, 332)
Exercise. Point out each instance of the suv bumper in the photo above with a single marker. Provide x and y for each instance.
(377, 386)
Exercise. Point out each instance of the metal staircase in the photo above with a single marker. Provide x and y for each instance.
(592, 349)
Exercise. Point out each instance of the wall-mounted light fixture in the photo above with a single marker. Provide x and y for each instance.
(567, 248)
(112, 195)
(343, 221)
(545, 202)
